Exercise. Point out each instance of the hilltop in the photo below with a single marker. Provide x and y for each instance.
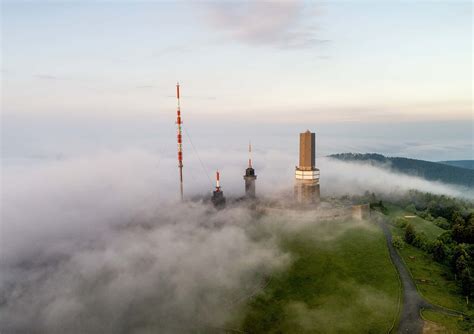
(433, 171)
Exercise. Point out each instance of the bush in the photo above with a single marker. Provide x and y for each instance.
(400, 222)
(420, 241)
(410, 234)
(438, 249)
(442, 222)
(411, 208)
(398, 242)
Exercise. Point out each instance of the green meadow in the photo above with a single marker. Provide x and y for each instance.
(421, 225)
(340, 280)
(450, 323)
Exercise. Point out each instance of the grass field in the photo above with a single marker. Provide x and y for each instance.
(341, 280)
(421, 225)
(450, 323)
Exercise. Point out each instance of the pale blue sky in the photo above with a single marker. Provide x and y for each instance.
(392, 58)
(312, 63)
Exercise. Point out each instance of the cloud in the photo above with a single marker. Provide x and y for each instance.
(282, 24)
(95, 245)
(339, 178)
(46, 77)
(99, 244)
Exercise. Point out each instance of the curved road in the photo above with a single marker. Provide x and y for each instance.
(410, 319)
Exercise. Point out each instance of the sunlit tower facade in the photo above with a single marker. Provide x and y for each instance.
(307, 189)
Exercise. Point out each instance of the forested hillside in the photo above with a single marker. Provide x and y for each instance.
(428, 170)
(459, 163)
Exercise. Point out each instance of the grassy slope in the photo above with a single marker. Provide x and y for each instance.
(450, 323)
(341, 283)
(433, 280)
(421, 225)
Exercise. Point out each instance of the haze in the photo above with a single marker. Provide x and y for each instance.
(383, 76)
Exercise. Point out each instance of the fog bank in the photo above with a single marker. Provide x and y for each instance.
(100, 244)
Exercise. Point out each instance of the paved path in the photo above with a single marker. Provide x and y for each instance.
(410, 318)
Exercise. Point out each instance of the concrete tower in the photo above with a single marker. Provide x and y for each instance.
(218, 198)
(250, 177)
(306, 174)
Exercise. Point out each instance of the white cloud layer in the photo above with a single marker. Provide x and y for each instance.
(100, 245)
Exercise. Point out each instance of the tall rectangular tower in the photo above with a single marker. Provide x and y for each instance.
(306, 174)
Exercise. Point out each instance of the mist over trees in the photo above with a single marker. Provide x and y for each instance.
(426, 169)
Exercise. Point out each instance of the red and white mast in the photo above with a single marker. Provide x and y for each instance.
(218, 186)
(180, 143)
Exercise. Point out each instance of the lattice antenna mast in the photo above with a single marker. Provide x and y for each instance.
(180, 143)
(250, 154)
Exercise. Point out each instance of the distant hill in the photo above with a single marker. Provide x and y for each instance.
(459, 163)
(428, 170)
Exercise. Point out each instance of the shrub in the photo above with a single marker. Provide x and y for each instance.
(400, 222)
(438, 249)
(420, 241)
(411, 208)
(442, 222)
(410, 234)
(398, 242)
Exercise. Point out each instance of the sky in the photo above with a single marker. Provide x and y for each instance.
(387, 76)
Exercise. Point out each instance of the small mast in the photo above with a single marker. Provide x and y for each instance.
(218, 187)
(250, 177)
(218, 198)
(180, 143)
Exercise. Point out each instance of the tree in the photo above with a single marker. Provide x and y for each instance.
(400, 222)
(467, 282)
(420, 241)
(458, 251)
(469, 231)
(442, 222)
(461, 264)
(410, 234)
(411, 208)
(458, 233)
(457, 218)
(439, 250)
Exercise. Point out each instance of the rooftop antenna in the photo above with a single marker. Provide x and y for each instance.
(180, 144)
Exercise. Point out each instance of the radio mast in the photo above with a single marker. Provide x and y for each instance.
(180, 143)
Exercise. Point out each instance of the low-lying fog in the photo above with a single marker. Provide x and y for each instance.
(99, 244)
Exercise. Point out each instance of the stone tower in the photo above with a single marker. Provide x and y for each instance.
(306, 174)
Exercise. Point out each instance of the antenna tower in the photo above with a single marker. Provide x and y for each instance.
(180, 144)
